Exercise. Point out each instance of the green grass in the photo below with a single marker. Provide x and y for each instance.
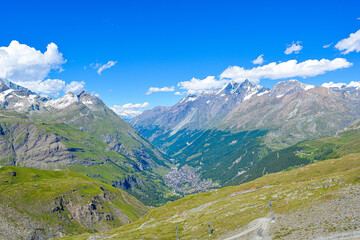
(35, 193)
(341, 144)
(229, 209)
(95, 159)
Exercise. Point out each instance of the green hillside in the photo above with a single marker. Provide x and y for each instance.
(51, 145)
(343, 143)
(61, 202)
(230, 209)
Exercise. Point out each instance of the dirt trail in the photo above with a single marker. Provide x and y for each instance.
(257, 229)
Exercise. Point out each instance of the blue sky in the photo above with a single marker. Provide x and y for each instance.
(163, 43)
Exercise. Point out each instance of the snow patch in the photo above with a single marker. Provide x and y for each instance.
(307, 87)
(262, 93)
(191, 99)
(89, 102)
(19, 104)
(249, 95)
(4, 94)
(62, 102)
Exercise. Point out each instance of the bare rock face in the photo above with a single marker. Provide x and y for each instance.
(200, 111)
(295, 113)
(26, 145)
(291, 111)
(83, 111)
(90, 213)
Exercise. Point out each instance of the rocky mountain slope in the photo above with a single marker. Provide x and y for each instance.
(79, 132)
(304, 201)
(86, 113)
(294, 112)
(49, 145)
(198, 111)
(38, 204)
(261, 121)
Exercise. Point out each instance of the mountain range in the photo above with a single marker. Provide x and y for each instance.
(223, 133)
(237, 134)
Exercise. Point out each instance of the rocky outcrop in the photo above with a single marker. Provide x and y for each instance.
(24, 144)
(127, 183)
(46, 204)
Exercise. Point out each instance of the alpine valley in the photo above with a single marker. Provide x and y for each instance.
(93, 170)
(225, 133)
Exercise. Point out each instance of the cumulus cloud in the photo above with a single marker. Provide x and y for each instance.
(29, 67)
(19, 62)
(101, 67)
(333, 85)
(74, 87)
(47, 87)
(259, 60)
(163, 89)
(350, 44)
(130, 110)
(197, 85)
(327, 45)
(289, 69)
(293, 48)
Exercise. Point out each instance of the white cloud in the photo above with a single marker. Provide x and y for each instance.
(350, 44)
(282, 70)
(29, 67)
(47, 87)
(293, 48)
(197, 85)
(53, 87)
(259, 60)
(130, 110)
(327, 45)
(101, 67)
(163, 89)
(19, 62)
(179, 93)
(74, 87)
(333, 85)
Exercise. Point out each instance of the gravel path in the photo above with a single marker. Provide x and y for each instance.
(258, 229)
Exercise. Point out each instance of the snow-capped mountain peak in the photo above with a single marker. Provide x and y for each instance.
(287, 87)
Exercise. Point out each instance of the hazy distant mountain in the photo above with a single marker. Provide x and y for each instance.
(199, 111)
